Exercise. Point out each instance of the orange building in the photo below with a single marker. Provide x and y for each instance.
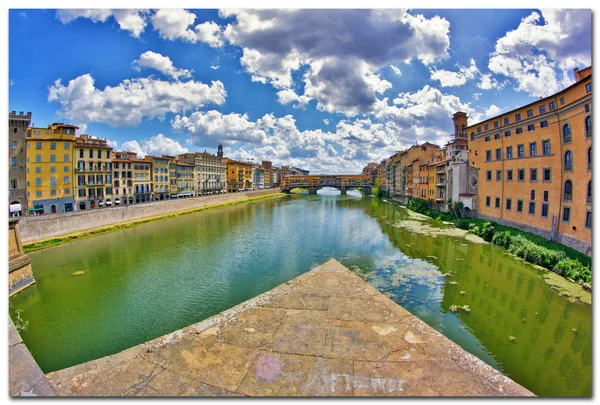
(535, 165)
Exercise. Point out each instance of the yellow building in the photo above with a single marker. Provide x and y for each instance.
(93, 173)
(535, 165)
(123, 177)
(161, 180)
(239, 175)
(49, 168)
(142, 180)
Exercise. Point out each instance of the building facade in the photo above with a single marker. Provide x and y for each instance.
(93, 185)
(142, 180)
(17, 155)
(161, 180)
(122, 163)
(535, 165)
(49, 168)
(239, 175)
(210, 171)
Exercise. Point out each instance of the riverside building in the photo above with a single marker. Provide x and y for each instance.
(17, 146)
(535, 165)
(49, 168)
(92, 173)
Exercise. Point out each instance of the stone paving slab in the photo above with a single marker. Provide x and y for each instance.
(325, 333)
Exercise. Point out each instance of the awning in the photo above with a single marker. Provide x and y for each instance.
(15, 207)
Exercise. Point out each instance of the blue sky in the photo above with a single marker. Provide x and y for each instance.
(329, 90)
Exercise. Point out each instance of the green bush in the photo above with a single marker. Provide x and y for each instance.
(503, 239)
(464, 224)
(420, 206)
(574, 270)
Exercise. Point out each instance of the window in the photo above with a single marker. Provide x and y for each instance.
(38, 181)
(66, 158)
(530, 127)
(562, 101)
(38, 145)
(552, 105)
(13, 183)
(38, 158)
(67, 147)
(509, 175)
(38, 193)
(488, 175)
(108, 154)
(589, 192)
(52, 145)
(519, 131)
(66, 179)
(532, 208)
(13, 161)
(532, 195)
(588, 87)
(488, 155)
(587, 108)
(544, 124)
(479, 130)
(497, 136)
(568, 160)
(533, 149)
(517, 117)
(486, 127)
(52, 158)
(542, 109)
(544, 210)
(498, 175)
(506, 134)
(53, 182)
(546, 196)
(497, 205)
(532, 174)
(38, 169)
(566, 214)
(529, 113)
(521, 174)
(588, 219)
(588, 125)
(508, 204)
(589, 158)
(519, 205)
(498, 153)
(546, 174)
(66, 169)
(472, 136)
(52, 169)
(521, 150)
(14, 145)
(509, 154)
(568, 191)
(495, 124)
(567, 133)
(546, 147)
(506, 121)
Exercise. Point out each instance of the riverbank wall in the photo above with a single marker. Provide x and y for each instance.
(38, 228)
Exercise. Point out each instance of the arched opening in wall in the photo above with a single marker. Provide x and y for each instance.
(589, 192)
(81, 206)
(93, 204)
(568, 191)
(328, 191)
(53, 209)
(568, 160)
(566, 133)
(589, 158)
(15, 209)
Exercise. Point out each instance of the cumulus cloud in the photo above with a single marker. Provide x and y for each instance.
(539, 54)
(163, 64)
(155, 146)
(448, 78)
(131, 100)
(133, 21)
(289, 96)
(175, 24)
(493, 111)
(340, 47)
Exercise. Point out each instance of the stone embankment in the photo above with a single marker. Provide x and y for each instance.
(325, 333)
(37, 228)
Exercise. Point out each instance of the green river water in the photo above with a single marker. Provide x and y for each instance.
(147, 281)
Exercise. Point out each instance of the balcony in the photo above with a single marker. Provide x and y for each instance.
(569, 168)
(568, 198)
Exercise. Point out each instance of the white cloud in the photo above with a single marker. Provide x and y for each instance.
(131, 100)
(289, 96)
(539, 54)
(215, 67)
(155, 146)
(163, 64)
(476, 96)
(493, 111)
(325, 121)
(341, 47)
(133, 21)
(450, 79)
(175, 24)
(396, 70)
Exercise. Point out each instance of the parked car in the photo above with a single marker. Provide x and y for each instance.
(117, 201)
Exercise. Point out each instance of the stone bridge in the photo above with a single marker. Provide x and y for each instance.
(342, 182)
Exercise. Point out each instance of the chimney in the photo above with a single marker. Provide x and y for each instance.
(576, 74)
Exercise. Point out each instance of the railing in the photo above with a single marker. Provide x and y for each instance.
(568, 197)
(568, 168)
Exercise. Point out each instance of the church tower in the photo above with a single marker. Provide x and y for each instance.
(220, 151)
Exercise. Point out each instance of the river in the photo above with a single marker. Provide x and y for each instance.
(147, 281)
